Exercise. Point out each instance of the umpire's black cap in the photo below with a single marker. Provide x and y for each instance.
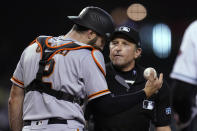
(127, 33)
(96, 19)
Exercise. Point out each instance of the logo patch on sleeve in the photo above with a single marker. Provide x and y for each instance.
(168, 111)
(148, 104)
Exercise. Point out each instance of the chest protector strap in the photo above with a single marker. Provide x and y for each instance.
(47, 52)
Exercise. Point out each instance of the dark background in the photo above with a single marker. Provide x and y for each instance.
(23, 21)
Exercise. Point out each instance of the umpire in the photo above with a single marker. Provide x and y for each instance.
(125, 75)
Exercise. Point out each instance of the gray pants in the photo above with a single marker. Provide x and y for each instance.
(44, 126)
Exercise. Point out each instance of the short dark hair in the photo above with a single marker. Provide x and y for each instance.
(79, 28)
(82, 29)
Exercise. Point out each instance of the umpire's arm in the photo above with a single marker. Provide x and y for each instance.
(15, 108)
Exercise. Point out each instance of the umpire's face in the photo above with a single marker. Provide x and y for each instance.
(123, 53)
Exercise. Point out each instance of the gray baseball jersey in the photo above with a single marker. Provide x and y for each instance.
(75, 73)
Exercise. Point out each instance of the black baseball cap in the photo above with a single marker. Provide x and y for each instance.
(127, 33)
(96, 19)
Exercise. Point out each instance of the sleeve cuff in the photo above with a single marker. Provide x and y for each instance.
(98, 94)
(17, 82)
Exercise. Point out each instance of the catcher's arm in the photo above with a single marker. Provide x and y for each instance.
(15, 109)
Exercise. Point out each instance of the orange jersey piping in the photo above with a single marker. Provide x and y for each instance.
(17, 81)
(55, 46)
(100, 67)
(40, 48)
(98, 93)
(80, 47)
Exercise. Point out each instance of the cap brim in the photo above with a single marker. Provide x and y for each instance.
(121, 34)
(74, 19)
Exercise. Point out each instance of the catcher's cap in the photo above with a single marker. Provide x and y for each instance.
(127, 33)
(96, 19)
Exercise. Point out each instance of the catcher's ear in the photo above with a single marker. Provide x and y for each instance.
(91, 34)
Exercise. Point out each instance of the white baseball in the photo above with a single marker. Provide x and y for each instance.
(147, 72)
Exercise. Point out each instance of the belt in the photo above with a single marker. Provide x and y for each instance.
(50, 121)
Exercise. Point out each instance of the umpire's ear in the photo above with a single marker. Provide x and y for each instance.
(138, 52)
